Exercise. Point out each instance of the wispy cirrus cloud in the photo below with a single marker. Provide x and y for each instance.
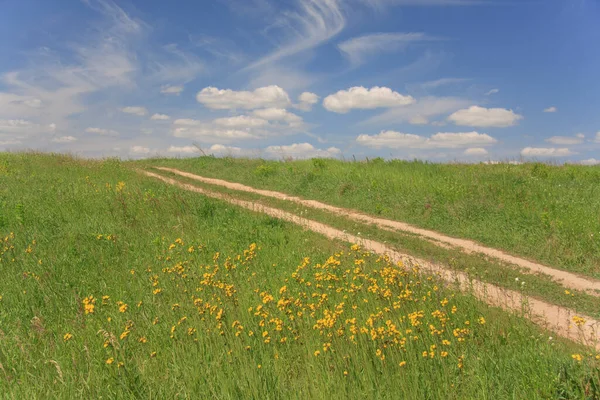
(361, 48)
(307, 25)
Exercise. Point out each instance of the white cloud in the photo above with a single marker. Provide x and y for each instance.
(590, 161)
(441, 82)
(64, 139)
(183, 149)
(9, 142)
(301, 150)
(597, 139)
(169, 89)
(103, 132)
(263, 97)
(313, 23)
(492, 91)
(566, 140)
(398, 140)
(139, 150)
(306, 101)
(160, 117)
(550, 109)
(175, 65)
(363, 98)
(51, 88)
(14, 125)
(140, 111)
(420, 111)
(419, 120)
(392, 140)
(485, 117)
(260, 124)
(475, 151)
(546, 152)
(361, 48)
(240, 121)
(289, 77)
(279, 114)
(229, 151)
(208, 132)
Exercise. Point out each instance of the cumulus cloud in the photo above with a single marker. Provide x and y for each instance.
(361, 48)
(209, 132)
(227, 99)
(363, 98)
(160, 117)
(475, 151)
(302, 150)
(228, 151)
(139, 111)
(399, 140)
(597, 138)
(279, 114)
(550, 109)
(421, 111)
(419, 120)
(64, 139)
(103, 132)
(306, 100)
(183, 149)
(566, 140)
(260, 124)
(20, 128)
(546, 152)
(240, 121)
(590, 161)
(485, 117)
(492, 91)
(169, 89)
(9, 142)
(139, 150)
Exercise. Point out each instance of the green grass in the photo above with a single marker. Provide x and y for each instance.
(70, 230)
(542, 212)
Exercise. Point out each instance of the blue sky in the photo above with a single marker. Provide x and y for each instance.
(443, 80)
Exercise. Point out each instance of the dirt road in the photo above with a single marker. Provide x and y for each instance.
(555, 318)
(567, 279)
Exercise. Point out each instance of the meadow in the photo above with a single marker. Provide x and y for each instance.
(115, 285)
(548, 213)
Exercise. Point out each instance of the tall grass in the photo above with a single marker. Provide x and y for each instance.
(118, 286)
(543, 212)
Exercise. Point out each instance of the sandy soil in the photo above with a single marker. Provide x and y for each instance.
(552, 317)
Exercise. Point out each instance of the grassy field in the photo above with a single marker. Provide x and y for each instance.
(118, 286)
(542, 212)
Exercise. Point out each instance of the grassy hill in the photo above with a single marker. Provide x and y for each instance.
(118, 286)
